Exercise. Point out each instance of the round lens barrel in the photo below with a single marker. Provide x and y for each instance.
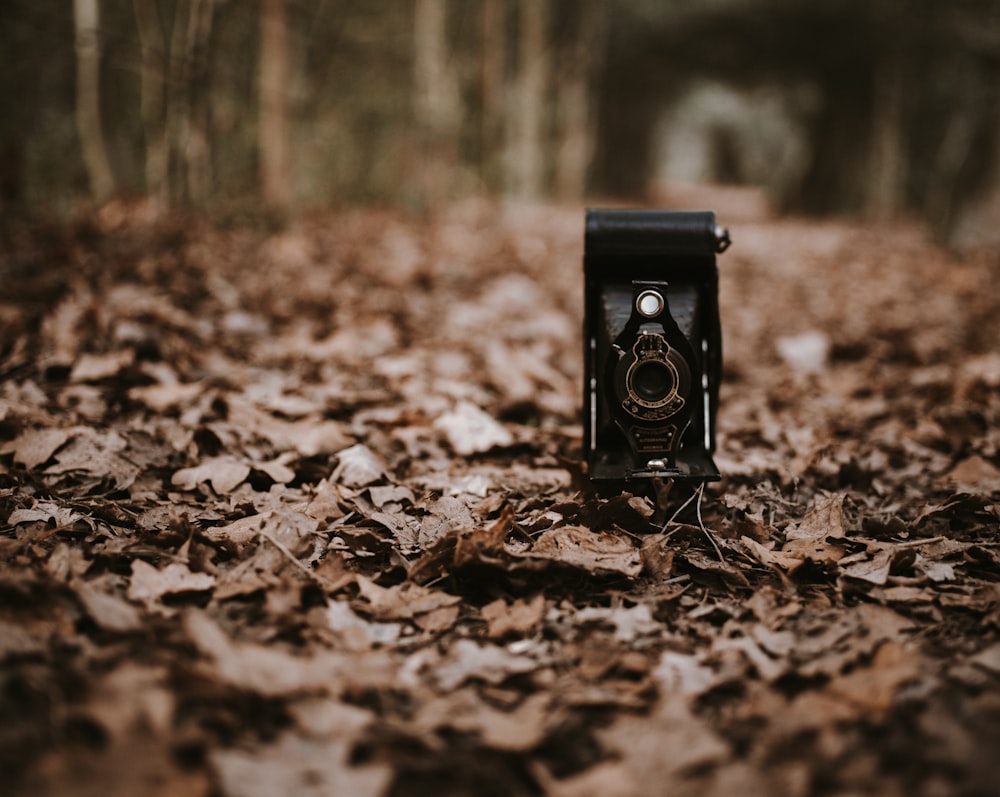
(653, 381)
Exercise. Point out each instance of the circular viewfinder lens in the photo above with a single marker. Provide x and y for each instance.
(652, 381)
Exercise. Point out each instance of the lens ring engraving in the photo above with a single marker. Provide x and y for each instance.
(653, 379)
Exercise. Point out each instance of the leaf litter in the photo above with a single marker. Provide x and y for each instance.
(301, 512)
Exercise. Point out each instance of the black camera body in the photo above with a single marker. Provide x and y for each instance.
(652, 345)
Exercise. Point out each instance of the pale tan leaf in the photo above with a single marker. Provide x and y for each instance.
(94, 367)
(224, 473)
(296, 765)
(149, 584)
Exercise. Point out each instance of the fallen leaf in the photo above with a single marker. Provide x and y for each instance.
(297, 765)
(468, 660)
(149, 584)
(517, 730)
(580, 547)
(358, 466)
(519, 617)
(874, 687)
(808, 540)
(106, 609)
(224, 473)
(469, 430)
(974, 474)
(403, 601)
(95, 367)
(36, 446)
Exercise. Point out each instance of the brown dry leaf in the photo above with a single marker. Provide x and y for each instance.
(36, 446)
(403, 601)
(808, 540)
(358, 466)
(297, 765)
(266, 670)
(988, 658)
(308, 436)
(467, 660)
(874, 570)
(519, 617)
(325, 502)
(469, 430)
(658, 750)
(825, 518)
(974, 474)
(628, 624)
(354, 632)
(224, 473)
(277, 469)
(685, 674)
(16, 640)
(873, 687)
(95, 367)
(462, 548)
(106, 609)
(47, 512)
(657, 556)
(605, 779)
(96, 453)
(768, 556)
(518, 730)
(438, 620)
(580, 547)
(149, 584)
(162, 397)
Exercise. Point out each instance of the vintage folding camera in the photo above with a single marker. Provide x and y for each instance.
(652, 345)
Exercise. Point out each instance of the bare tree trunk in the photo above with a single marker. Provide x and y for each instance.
(189, 172)
(154, 64)
(492, 85)
(888, 164)
(178, 106)
(273, 87)
(436, 100)
(86, 17)
(576, 122)
(197, 155)
(527, 139)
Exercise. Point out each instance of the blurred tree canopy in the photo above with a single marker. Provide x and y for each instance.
(887, 107)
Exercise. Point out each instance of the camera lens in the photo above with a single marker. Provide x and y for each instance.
(652, 381)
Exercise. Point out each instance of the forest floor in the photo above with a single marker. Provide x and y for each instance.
(302, 513)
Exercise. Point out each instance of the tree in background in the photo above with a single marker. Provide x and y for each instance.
(275, 171)
(396, 101)
(86, 19)
(153, 66)
(582, 56)
(526, 136)
(437, 107)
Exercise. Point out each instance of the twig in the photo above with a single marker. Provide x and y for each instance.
(701, 523)
(918, 543)
(680, 509)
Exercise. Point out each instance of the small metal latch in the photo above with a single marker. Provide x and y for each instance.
(722, 239)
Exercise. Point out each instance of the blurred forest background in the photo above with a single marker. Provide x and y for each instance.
(886, 109)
